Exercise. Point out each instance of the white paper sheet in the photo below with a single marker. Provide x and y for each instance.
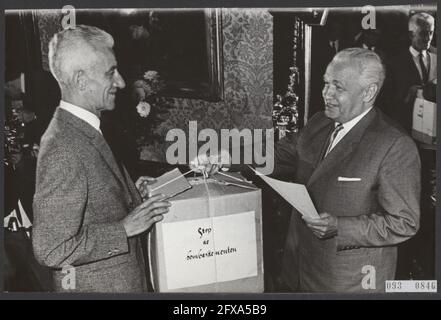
(204, 251)
(296, 194)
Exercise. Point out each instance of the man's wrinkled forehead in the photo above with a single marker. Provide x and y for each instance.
(340, 68)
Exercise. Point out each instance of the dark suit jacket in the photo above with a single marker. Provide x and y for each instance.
(81, 197)
(374, 214)
(403, 75)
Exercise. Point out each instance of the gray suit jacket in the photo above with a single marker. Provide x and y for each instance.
(81, 197)
(374, 214)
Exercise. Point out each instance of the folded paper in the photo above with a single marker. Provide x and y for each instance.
(424, 121)
(296, 194)
(169, 184)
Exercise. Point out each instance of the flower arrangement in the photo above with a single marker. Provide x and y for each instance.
(285, 110)
(150, 107)
(145, 92)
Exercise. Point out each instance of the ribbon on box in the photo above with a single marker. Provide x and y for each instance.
(209, 165)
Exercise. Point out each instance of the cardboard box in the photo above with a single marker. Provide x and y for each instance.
(209, 241)
(424, 121)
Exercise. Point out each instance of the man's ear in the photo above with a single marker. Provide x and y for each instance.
(370, 92)
(80, 80)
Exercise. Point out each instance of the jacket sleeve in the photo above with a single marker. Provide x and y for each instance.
(285, 156)
(399, 187)
(59, 236)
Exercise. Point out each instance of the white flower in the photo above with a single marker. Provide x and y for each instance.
(143, 109)
(151, 75)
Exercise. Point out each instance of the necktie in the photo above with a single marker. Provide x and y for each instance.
(332, 138)
(424, 71)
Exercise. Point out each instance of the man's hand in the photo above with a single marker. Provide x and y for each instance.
(142, 184)
(324, 227)
(412, 93)
(145, 215)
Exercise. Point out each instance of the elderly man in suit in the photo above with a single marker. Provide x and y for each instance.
(413, 69)
(363, 175)
(88, 212)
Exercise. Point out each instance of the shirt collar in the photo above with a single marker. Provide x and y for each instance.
(82, 113)
(366, 47)
(347, 126)
(416, 53)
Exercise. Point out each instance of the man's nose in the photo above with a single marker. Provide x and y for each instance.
(119, 81)
(327, 92)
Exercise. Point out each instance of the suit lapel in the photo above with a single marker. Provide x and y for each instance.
(92, 136)
(432, 66)
(313, 144)
(414, 69)
(344, 148)
(136, 198)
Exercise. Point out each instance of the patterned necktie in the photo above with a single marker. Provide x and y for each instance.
(332, 138)
(424, 71)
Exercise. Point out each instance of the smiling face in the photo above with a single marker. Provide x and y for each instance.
(103, 81)
(342, 92)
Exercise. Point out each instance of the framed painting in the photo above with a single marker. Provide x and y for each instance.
(183, 46)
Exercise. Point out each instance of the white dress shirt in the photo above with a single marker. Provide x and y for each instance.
(347, 126)
(416, 59)
(81, 113)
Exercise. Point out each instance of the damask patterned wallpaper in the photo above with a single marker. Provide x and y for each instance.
(248, 79)
(49, 23)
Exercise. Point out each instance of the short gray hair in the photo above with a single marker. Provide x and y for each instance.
(369, 64)
(65, 46)
(420, 19)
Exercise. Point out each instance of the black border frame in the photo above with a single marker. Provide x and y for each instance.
(49, 4)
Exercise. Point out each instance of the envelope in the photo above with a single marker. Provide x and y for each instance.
(348, 179)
